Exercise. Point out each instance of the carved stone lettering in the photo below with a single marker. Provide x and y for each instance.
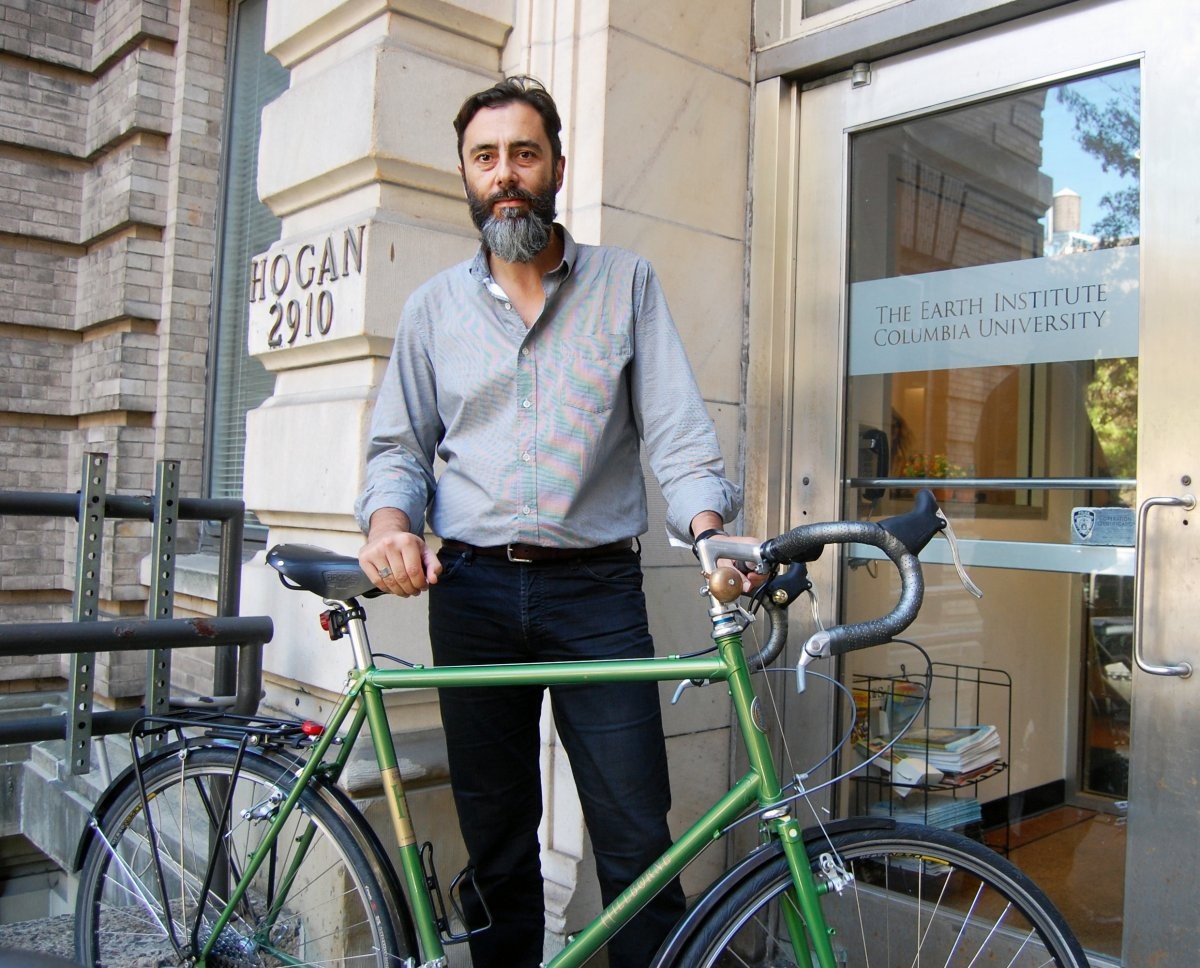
(297, 283)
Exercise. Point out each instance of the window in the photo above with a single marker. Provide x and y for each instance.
(247, 227)
(992, 336)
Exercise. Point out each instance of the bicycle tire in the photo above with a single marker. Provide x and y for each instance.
(339, 909)
(920, 896)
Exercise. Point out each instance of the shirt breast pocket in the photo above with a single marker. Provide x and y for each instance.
(592, 376)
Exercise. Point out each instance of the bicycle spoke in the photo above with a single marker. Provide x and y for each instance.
(919, 897)
(316, 900)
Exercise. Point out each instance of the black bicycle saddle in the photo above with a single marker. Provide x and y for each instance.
(320, 571)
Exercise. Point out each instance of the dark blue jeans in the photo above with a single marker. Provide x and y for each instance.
(489, 610)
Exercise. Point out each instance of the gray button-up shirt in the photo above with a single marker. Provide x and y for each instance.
(539, 427)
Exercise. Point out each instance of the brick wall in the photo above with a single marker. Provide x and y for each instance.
(110, 147)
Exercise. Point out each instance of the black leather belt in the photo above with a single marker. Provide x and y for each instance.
(526, 553)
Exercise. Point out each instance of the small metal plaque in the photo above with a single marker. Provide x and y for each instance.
(1102, 526)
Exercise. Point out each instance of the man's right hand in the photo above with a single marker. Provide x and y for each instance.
(394, 558)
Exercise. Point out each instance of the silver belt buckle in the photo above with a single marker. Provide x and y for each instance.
(520, 561)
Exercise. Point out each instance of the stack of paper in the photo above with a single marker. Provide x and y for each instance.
(953, 749)
(907, 771)
(937, 810)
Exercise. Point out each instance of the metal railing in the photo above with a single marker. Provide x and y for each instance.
(237, 670)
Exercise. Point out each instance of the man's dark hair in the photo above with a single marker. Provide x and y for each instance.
(521, 87)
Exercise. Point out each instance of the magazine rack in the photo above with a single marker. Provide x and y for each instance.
(960, 695)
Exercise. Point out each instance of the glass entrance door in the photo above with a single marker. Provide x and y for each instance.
(975, 259)
(993, 338)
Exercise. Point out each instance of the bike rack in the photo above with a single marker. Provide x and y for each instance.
(237, 673)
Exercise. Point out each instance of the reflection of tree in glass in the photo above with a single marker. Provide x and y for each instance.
(1112, 410)
(1112, 134)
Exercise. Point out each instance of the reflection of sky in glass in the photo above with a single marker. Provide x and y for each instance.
(1066, 162)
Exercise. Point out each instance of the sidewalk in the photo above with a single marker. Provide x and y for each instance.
(51, 936)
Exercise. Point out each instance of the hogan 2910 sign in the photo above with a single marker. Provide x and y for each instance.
(294, 289)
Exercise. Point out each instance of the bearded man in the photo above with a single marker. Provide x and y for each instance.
(536, 371)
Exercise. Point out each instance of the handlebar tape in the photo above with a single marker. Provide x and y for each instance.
(776, 639)
(805, 544)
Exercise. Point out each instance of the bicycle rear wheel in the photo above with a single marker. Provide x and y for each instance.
(321, 897)
(920, 896)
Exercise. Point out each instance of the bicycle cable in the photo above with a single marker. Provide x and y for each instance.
(885, 749)
(799, 778)
(394, 658)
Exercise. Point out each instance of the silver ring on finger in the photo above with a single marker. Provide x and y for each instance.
(385, 572)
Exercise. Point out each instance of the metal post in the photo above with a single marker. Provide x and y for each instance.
(88, 547)
(162, 582)
(230, 662)
(237, 641)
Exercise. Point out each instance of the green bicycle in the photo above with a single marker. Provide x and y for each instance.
(228, 841)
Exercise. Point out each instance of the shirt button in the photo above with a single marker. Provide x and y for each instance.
(525, 456)
(508, 305)
(525, 351)
(526, 404)
(527, 509)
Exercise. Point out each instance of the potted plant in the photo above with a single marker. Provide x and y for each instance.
(933, 466)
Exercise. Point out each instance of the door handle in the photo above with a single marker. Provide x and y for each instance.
(1188, 503)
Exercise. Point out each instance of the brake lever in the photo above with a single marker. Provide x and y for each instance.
(950, 536)
(816, 647)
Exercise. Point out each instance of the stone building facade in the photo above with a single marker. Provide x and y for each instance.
(357, 160)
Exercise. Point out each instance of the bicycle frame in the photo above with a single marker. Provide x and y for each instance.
(786, 882)
(758, 788)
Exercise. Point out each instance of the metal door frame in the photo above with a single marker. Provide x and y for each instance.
(797, 360)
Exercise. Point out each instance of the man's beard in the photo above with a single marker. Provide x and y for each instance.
(515, 236)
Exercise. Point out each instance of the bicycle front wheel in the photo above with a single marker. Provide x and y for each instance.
(157, 873)
(919, 896)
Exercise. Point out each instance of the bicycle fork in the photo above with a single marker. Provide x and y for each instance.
(802, 913)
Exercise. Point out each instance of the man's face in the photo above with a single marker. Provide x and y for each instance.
(511, 179)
